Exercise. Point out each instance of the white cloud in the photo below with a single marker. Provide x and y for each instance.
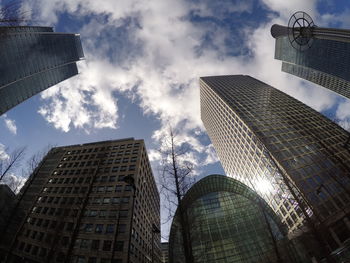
(158, 59)
(3, 154)
(14, 182)
(84, 106)
(11, 125)
(287, 8)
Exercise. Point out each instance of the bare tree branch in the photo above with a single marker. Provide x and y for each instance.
(12, 14)
(176, 178)
(7, 165)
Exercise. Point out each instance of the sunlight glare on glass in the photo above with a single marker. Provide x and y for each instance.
(264, 186)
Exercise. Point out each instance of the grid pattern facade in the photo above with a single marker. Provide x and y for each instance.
(327, 60)
(338, 85)
(269, 140)
(165, 252)
(84, 205)
(33, 59)
(228, 223)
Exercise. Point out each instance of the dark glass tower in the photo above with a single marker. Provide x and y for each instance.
(33, 59)
(317, 54)
(287, 152)
(325, 63)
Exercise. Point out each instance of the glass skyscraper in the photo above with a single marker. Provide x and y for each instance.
(325, 63)
(33, 59)
(287, 152)
(230, 223)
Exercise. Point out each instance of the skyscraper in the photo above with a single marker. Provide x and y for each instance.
(319, 55)
(95, 202)
(228, 222)
(165, 252)
(33, 59)
(290, 154)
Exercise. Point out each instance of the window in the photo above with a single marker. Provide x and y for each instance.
(128, 188)
(69, 226)
(77, 243)
(85, 243)
(132, 167)
(92, 260)
(103, 213)
(21, 246)
(106, 200)
(96, 200)
(42, 252)
(65, 241)
(109, 189)
(112, 178)
(119, 246)
(121, 228)
(123, 213)
(46, 222)
(99, 228)
(121, 178)
(113, 214)
(103, 179)
(126, 200)
(115, 200)
(95, 244)
(53, 224)
(110, 229)
(107, 245)
(88, 227)
(93, 213)
(118, 188)
(40, 236)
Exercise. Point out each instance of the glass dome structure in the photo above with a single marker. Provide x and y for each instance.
(228, 222)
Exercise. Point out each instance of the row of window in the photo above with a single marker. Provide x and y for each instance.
(102, 229)
(95, 163)
(87, 180)
(114, 169)
(101, 149)
(104, 245)
(101, 158)
(105, 213)
(82, 190)
(83, 259)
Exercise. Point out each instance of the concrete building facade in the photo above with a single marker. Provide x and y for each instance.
(94, 203)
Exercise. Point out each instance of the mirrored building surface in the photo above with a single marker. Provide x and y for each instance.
(228, 222)
(33, 59)
(325, 63)
(287, 152)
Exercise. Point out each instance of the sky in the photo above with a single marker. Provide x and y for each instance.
(143, 60)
